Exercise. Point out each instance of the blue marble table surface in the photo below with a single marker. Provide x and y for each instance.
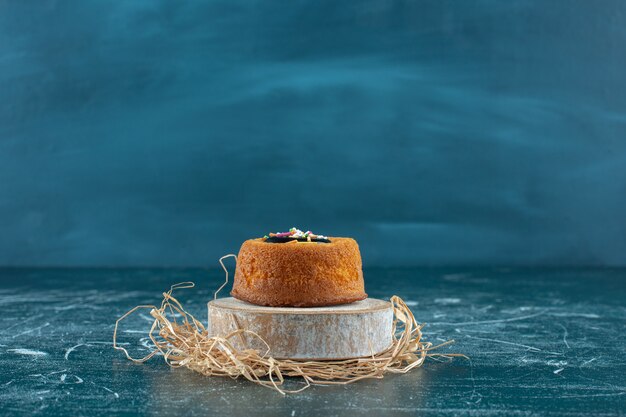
(541, 342)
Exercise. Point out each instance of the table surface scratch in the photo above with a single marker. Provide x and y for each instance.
(541, 342)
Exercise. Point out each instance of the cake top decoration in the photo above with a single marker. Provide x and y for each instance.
(295, 235)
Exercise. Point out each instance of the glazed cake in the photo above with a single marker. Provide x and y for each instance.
(299, 269)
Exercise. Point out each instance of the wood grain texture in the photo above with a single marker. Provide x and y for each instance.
(353, 330)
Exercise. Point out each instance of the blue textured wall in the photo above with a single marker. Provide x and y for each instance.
(165, 133)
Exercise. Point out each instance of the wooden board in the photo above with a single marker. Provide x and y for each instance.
(351, 330)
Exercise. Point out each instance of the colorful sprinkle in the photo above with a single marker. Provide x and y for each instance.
(297, 233)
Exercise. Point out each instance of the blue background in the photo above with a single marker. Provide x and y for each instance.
(434, 132)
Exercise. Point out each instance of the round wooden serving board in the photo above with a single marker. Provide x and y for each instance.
(346, 331)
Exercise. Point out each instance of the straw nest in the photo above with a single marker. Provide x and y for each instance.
(184, 342)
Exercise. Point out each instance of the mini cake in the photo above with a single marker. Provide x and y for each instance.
(299, 269)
